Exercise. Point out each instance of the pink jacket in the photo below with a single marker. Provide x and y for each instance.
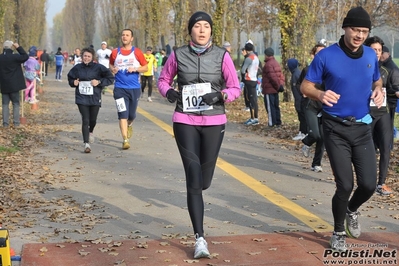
(232, 89)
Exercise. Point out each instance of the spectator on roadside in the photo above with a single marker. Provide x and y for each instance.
(351, 75)
(148, 76)
(31, 67)
(45, 58)
(312, 111)
(51, 62)
(126, 63)
(199, 130)
(66, 57)
(293, 67)
(11, 80)
(227, 46)
(88, 78)
(164, 57)
(242, 78)
(272, 83)
(59, 62)
(250, 69)
(159, 58)
(381, 127)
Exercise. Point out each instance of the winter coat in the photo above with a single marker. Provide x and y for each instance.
(89, 72)
(11, 75)
(293, 66)
(392, 84)
(272, 76)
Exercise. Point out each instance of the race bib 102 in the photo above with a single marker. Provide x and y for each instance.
(192, 97)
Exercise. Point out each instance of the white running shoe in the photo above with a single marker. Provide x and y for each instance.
(87, 148)
(317, 168)
(305, 150)
(300, 136)
(149, 99)
(201, 248)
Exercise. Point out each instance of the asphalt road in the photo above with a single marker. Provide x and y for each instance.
(260, 185)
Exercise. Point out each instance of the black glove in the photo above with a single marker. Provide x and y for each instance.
(281, 88)
(172, 95)
(212, 97)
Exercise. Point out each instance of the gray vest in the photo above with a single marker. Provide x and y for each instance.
(193, 68)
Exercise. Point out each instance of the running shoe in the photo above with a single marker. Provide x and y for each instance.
(125, 144)
(338, 241)
(300, 136)
(130, 131)
(255, 121)
(305, 150)
(201, 248)
(317, 168)
(352, 226)
(383, 190)
(87, 148)
(149, 99)
(249, 122)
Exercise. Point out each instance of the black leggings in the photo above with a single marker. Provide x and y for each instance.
(89, 119)
(347, 146)
(144, 80)
(315, 132)
(252, 97)
(382, 134)
(199, 148)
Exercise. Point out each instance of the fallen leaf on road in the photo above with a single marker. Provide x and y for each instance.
(254, 253)
(191, 261)
(83, 253)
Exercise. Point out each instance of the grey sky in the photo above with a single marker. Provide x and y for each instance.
(54, 7)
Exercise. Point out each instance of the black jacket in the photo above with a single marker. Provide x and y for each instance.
(392, 84)
(11, 74)
(89, 72)
(45, 57)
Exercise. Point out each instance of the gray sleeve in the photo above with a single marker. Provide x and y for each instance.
(247, 63)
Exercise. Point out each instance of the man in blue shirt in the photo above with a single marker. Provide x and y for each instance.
(352, 80)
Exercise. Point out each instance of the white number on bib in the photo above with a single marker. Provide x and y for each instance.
(192, 97)
(85, 88)
(120, 105)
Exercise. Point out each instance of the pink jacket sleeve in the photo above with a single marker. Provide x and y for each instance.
(230, 76)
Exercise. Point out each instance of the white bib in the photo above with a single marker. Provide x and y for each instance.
(384, 103)
(192, 97)
(120, 105)
(85, 88)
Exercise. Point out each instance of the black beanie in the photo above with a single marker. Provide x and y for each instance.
(357, 17)
(249, 47)
(269, 51)
(198, 16)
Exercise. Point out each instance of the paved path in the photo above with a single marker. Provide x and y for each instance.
(263, 197)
